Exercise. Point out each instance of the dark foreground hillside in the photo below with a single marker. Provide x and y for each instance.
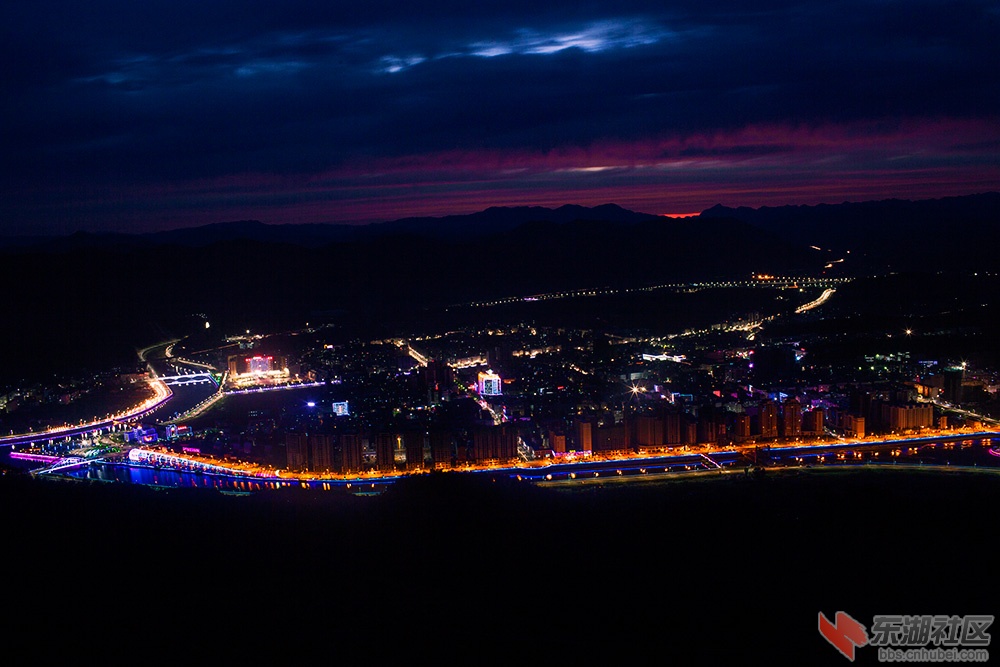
(693, 571)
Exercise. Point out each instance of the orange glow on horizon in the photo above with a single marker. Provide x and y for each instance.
(680, 215)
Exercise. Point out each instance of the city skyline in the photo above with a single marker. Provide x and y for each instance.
(125, 118)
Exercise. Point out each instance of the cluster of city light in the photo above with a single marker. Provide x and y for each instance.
(676, 358)
(251, 377)
(420, 358)
(468, 362)
(190, 461)
(534, 352)
(273, 387)
(759, 280)
(819, 301)
(819, 450)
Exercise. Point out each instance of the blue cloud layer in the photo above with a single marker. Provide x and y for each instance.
(103, 98)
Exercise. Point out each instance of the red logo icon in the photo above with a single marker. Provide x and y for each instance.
(844, 633)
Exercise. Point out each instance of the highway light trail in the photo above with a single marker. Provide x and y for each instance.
(161, 394)
(817, 302)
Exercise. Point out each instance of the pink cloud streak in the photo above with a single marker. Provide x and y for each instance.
(753, 166)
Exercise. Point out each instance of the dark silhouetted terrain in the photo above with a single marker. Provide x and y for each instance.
(91, 300)
(951, 233)
(696, 571)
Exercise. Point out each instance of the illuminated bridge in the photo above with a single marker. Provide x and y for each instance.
(162, 394)
(147, 457)
(189, 378)
(63, 465)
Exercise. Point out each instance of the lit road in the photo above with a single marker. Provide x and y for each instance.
(767, 282)
(816, 303)
(497, 417)
(144, 352)
(930, 453)
(873, 451)
(947, 407)
(161, 394)
(595, 470)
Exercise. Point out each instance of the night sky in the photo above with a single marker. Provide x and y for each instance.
(141, 116)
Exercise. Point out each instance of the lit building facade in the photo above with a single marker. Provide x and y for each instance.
(489, 384)
(259, 364)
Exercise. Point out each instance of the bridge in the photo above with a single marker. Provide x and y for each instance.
(181, 463)
(711, 461)
(162, 394)
(188, 378)
(63, 465)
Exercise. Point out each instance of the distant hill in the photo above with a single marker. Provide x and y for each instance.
(946, 234)
(500, 219)
(893, 234)
(493, 220)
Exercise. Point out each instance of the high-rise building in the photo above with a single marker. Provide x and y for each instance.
(584, 427)
(907, 417)
(442, 449)
(672, 432)
(791, 418)
(768, 413)
(494, 444)
(741, 427)
(611, 439)
(438, 379)
(385, 447)
(297, 451)
(812, 422)
(708, 429)
(320, 453)
(854, 425)
(351, 457)
(557, 442)
(689, 428)
(649, 431)
(413, 443)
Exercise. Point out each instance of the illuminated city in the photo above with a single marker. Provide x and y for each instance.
(669, 331)
(567, 404)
